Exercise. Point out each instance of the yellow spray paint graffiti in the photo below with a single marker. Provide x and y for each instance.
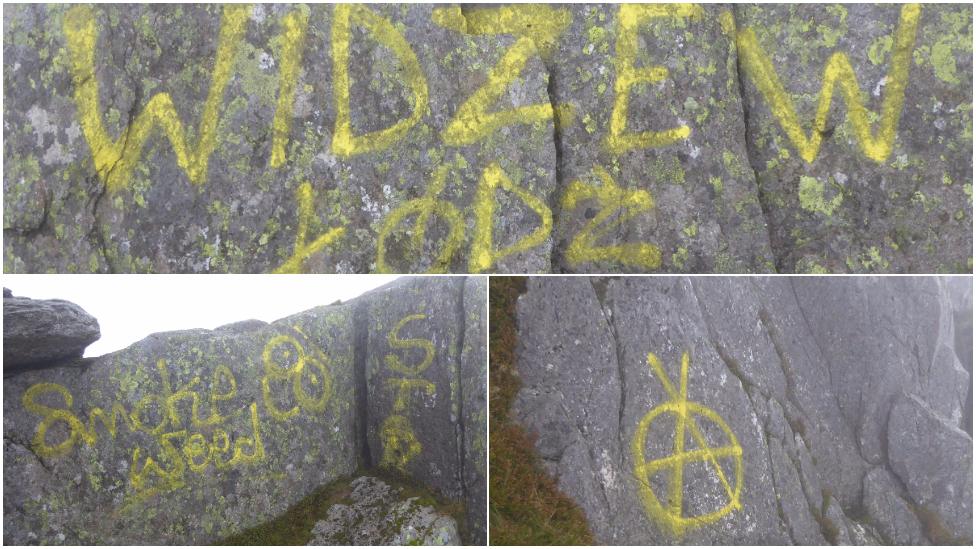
(400, 443)
(344, 142)
(115, 159)
(295, 24)
(671, 516)
(483, 252)
(288, 349)
(190, 441)
(306, 213)
(612, 198)
(629, 19)
(838, 72)
(538, 28)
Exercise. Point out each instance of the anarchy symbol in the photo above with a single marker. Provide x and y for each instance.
(670, 515)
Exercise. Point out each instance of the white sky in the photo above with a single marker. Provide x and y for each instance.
(130, 307)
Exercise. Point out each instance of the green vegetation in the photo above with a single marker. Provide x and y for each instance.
(294, 526)
(526, 507)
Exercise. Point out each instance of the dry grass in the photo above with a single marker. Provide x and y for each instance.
(526, 507)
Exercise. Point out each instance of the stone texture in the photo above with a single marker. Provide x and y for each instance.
(375, 513)
(802, 372)
(940, 481)
(730, 191)
(43, 330)
(889, 511)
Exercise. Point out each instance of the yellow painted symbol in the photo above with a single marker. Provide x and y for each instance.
(424, 208)
(483, 251)
(115, 159)
(838, 72)
(344, 142)
(669, 514)
(630, 73)
(611, 198)
(538, 28)
(304, 250)
(295, 24)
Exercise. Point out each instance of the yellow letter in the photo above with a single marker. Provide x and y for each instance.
(115, 160)
(344, 143)
(612, 199)
(293, 41)
(538, 28)
(629, 19)
(424, 207)
(838, 71)
(306, 212)
(483, 255)
(393, 338)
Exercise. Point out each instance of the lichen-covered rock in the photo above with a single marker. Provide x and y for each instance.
(42, 330)
(517, 138)
(413, 380)
(375, 513)
(729, 411)
(273, 137)
(654, 174)
(184, 437)
(859, 129)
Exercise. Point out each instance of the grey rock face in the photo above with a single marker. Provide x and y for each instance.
(782, 389)
(376, 514)
(188, 437)
(43, 330)
(585, 138)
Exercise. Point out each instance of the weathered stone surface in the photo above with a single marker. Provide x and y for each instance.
(188, 437)
(786, 373)
(412, 380)
(214, 432)
(590, 138)
(942, 480)
(42, 330)
(862, 202)
(888, 510)
(474, 407)
(375, 513)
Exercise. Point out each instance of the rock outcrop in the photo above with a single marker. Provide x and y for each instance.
(38, 331)
(514, 138)
(375, 513)
(191, 436)
(750, 411)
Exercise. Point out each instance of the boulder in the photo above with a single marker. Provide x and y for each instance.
(183, 437)
(375, 513)
(747, 410)
(37, 331)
